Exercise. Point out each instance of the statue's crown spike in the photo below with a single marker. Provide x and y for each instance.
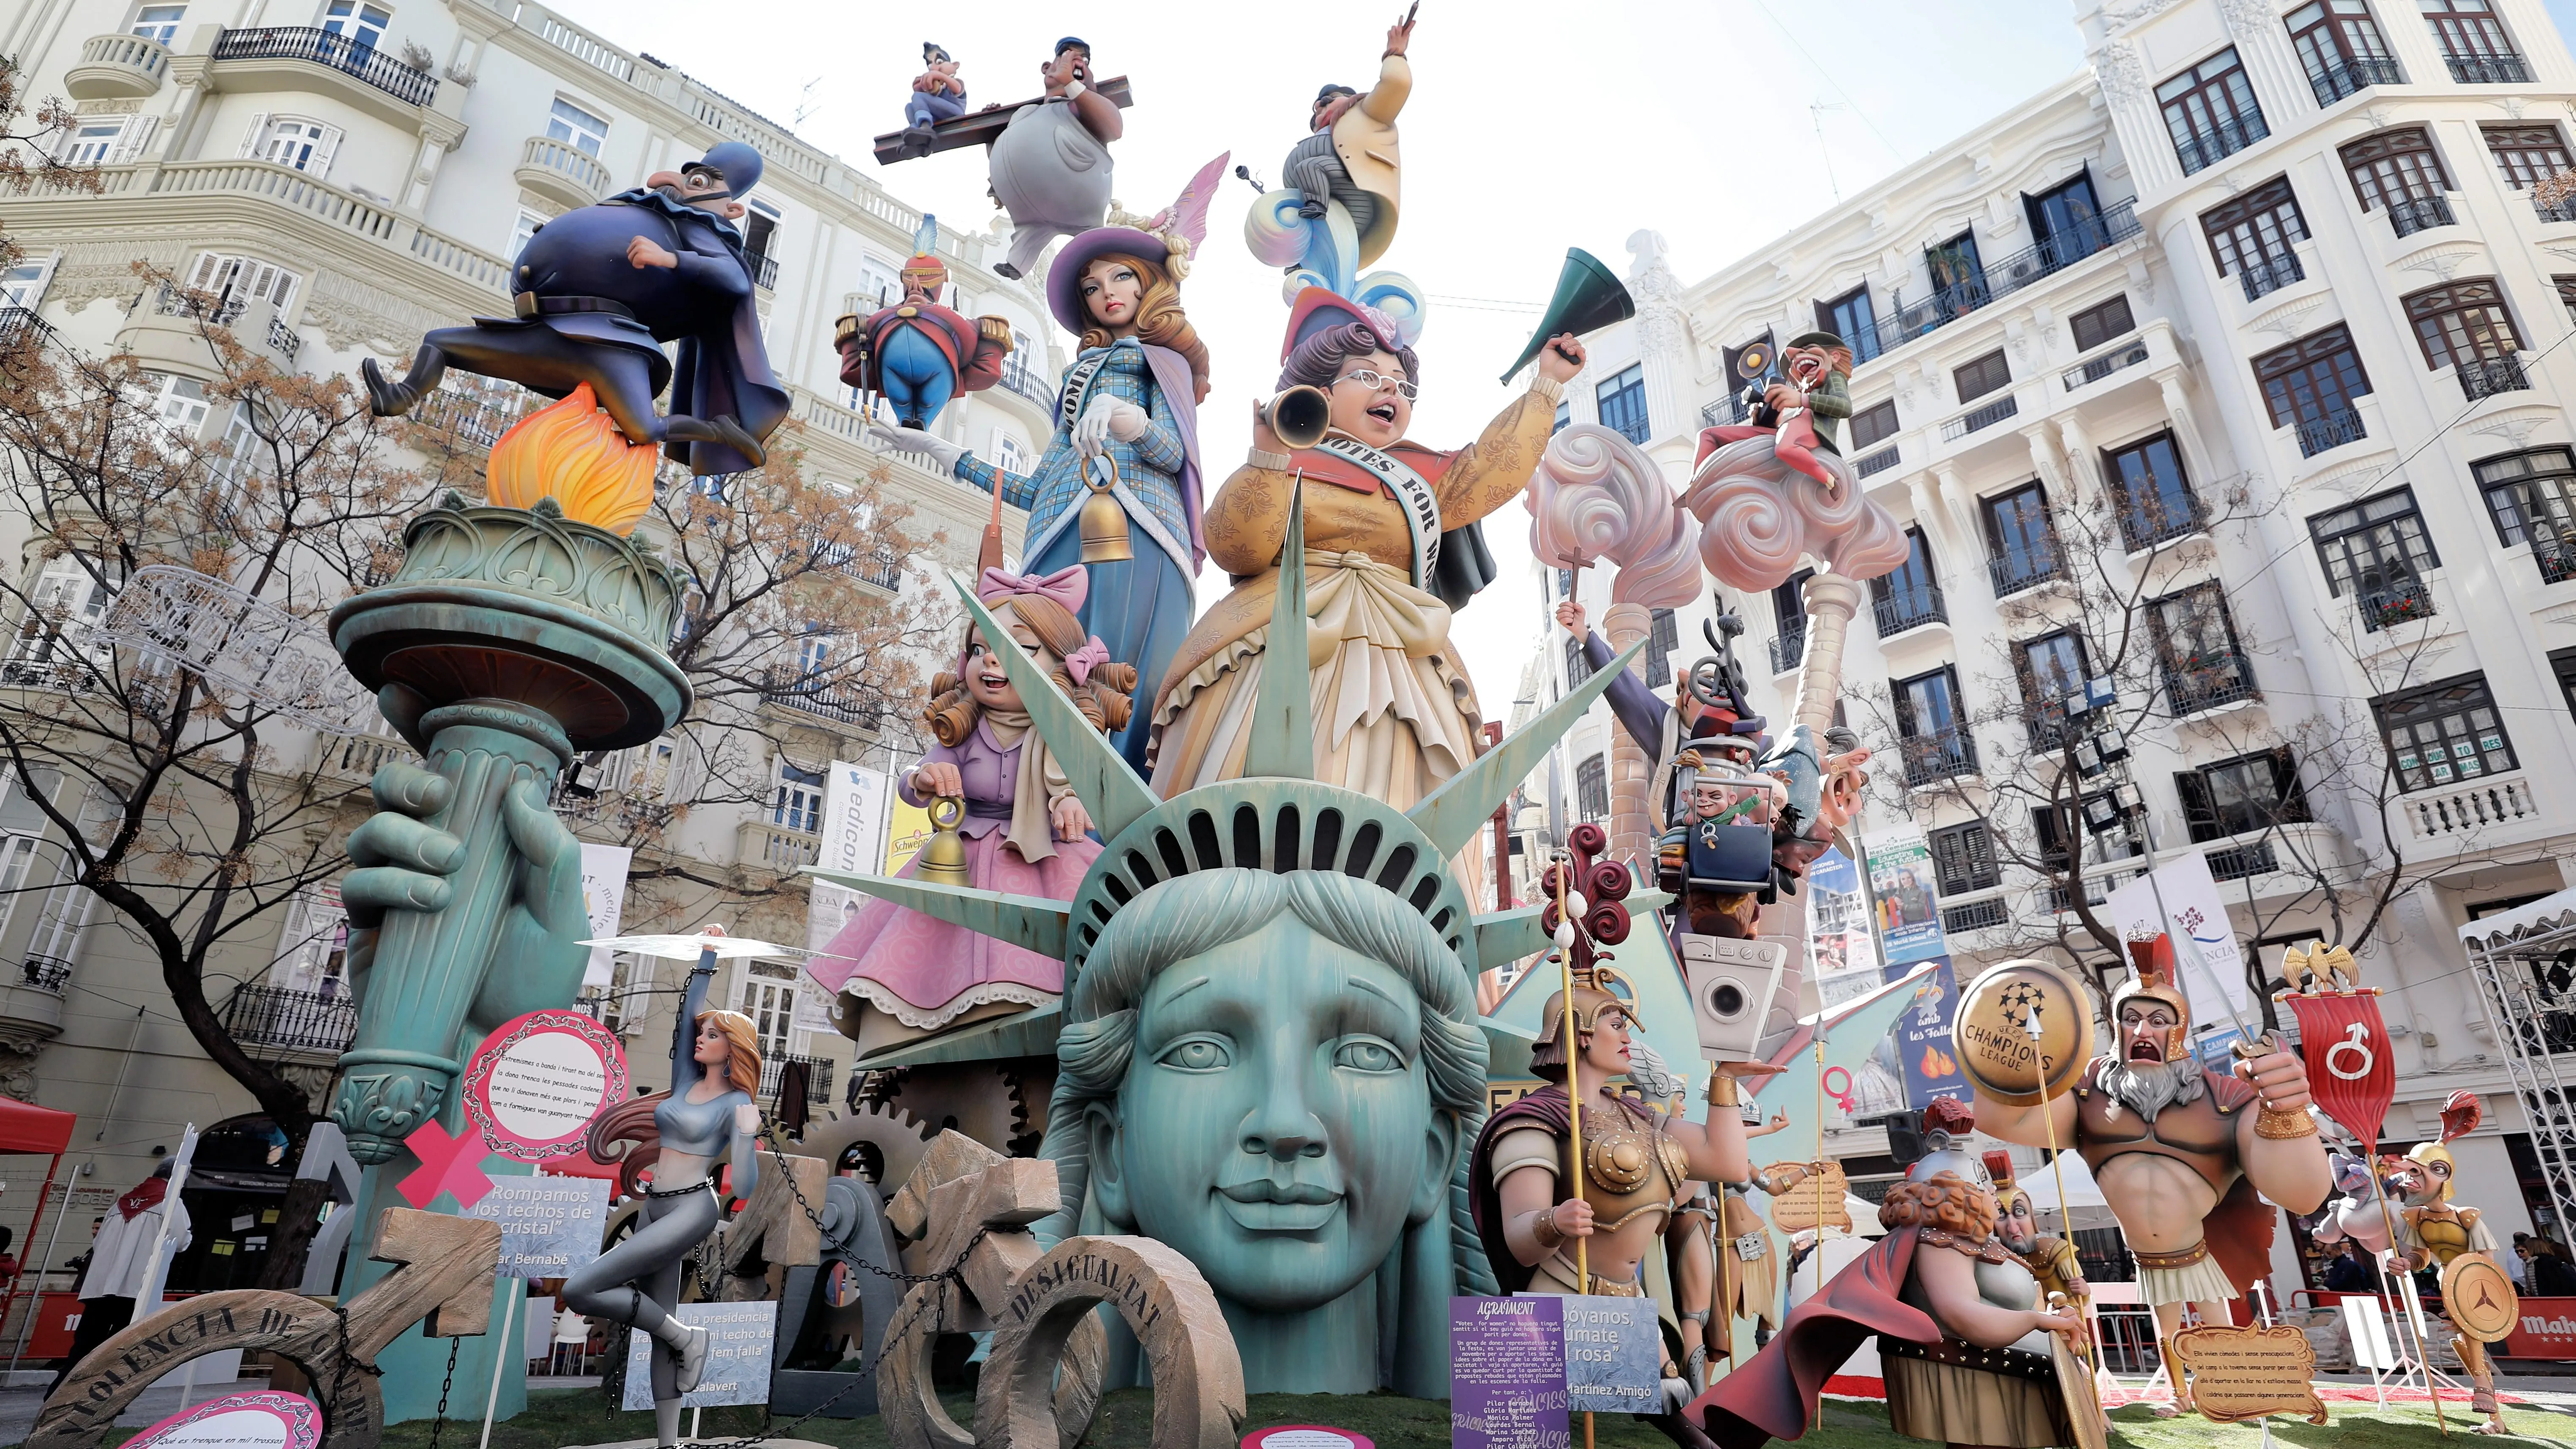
(1452, 814)
(1283, 712)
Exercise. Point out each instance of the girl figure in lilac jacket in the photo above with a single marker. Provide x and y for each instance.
(901, 976)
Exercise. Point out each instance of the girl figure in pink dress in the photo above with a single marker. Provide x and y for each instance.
(901, 976)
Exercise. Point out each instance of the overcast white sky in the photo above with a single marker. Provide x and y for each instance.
(1532, 128)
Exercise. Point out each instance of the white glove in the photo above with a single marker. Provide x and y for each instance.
(914, 440)
(1107, 418)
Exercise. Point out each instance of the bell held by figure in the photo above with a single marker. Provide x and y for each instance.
(1299, 416)
(943, 855)
(1104, 522)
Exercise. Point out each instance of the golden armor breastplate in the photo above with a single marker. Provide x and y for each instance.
(1630, 1168)
(2445, 1237)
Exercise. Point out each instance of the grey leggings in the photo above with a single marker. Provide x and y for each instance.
(638, 1281)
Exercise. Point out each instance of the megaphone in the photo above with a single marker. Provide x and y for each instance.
(1300, 416)
(1588, 298)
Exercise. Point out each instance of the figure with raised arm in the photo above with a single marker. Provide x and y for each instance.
(1349, 154)
(709, 1118)
(1051, 166)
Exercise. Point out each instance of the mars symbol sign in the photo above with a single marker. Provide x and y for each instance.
(537, 1082)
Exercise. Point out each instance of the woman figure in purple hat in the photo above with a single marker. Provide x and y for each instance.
(1130, 399)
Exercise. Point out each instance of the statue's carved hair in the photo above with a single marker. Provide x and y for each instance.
(1192, 915)
(1949, 1203)
(1160, 322)
(1105, 696)
(1317, 361)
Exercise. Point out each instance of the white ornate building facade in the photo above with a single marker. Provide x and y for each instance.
(2234, 369)
(349, 174)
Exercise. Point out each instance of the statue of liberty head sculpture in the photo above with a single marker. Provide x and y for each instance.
(1269, 1056)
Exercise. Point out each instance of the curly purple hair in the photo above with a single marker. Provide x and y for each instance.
(1317, 361)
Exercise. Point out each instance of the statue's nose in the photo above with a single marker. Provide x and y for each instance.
(1283, 1127)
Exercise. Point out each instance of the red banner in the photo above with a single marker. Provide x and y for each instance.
(2350, 1071)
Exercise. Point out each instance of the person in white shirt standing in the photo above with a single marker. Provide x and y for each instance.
(120, 1263)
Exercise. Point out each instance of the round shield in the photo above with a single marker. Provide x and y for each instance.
(2024, 1032)
(2479, 1297)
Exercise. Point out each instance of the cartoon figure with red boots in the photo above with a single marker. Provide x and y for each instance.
(1803, 411)
(918, 354)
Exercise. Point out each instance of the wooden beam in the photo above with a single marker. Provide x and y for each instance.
(982, 128)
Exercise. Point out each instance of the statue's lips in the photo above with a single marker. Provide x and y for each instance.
(1264, 1206)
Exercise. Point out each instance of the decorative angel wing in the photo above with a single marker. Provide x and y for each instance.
(1186, 217)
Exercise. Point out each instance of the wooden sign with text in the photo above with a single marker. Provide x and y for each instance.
(2245, 1373)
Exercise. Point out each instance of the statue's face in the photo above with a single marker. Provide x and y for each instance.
(1709, 799)
(1372, 398)
(2144, 1028)
(1276, 1124)
(2019, 1228)
(2408, 1179)
(985, 681)
(1111, 293)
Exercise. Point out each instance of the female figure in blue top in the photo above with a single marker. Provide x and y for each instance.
(708, 1116)
(1130, 399)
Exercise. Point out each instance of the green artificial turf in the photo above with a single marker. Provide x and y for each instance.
(555, 1419)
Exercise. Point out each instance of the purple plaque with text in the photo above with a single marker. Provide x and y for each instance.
(1507, 1373)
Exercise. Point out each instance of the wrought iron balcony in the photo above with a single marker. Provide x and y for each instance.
(1911, 608)
(2001, 278)
(283, 339)
(2025, 568)
(2331, 431)
(818, 1077)
(1979, 419)
(2146, 522)
(1974, 916)
(1873, 464)
(1943, 754)
(2270, 274)
(20, 326)
(2487, 376)
(2046, 722)
(2489, 70)
(339, 52)
(278, 1018)
(45, 973)
(2206, 681)
(2556, 556)
(2338, 79)
(2563, 209)
(2204, 149)
(2236, 862)
(2397, 601)
(764, 271)
(1727, 409)
(804, 693)
(1789, 648)
(1017, 376)
(2102, 364)
(222, 311)
(2420, 213)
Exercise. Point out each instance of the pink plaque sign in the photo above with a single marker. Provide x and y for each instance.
(535, 1084)
(267, 1419)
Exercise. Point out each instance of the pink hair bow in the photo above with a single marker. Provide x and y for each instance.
(1068, 586)
(1082, 661)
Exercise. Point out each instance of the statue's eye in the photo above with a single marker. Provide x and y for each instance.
(1198, 1054)
(1367, 1054)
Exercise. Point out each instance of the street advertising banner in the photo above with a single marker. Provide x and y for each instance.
(603, 899)
(1921, 1038)
(1905, 891)
(2181, 899)
(1842, 958)
(854, 814)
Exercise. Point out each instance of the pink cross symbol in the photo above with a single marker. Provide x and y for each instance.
(447, 1164)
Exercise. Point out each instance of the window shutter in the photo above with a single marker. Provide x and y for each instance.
(258, 132)
(2199, 811)
(138, 134)
(1904, 708)
(320, 167)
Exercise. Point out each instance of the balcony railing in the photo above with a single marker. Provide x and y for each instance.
(45, 973)
(2338, 79)
(2222, 140)
(2236, 862)
(20, 326)
(764, 271)
(1728, 409)
(2001, 278)
(2332, 431)
(1978, 419)
(2207, 681)
(284, 1019)
(1873, 464)
(2420, 213)
(339, 52)
(1911, 608)
(283, 340)
(2556, 557)
(2397, 602)
(2263, 275)
(1943, 754)
(2487, 376)
(2045, 721)
(2467, 808)
(790, 689)
(2027, 568)
(2157, 519)
(221, 311)
(2488, 70)
(1789, 648)
(2563, 209)
(2102, 364)
(818, 1077)
(1019, 378)
(1974, 916)
(775, 847)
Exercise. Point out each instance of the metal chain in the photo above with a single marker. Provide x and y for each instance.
(347, 1360)
(439, 1424)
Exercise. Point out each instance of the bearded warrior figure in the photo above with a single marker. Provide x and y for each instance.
(2180, 1151)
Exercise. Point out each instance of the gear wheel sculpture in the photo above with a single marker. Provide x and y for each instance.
(897, 1136)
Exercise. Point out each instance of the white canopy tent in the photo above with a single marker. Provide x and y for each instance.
(2084, 1199)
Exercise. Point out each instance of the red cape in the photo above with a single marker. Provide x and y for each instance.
(1773, 1396)
(1546, 1108)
